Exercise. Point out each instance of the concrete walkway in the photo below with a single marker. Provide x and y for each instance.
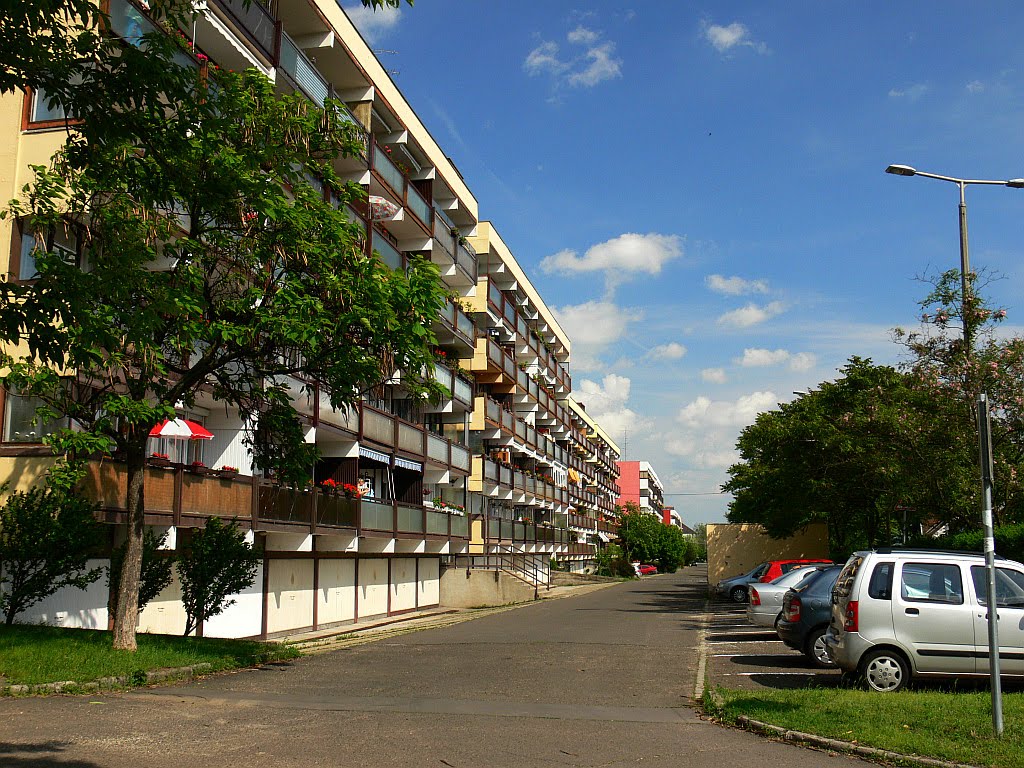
(603, 678)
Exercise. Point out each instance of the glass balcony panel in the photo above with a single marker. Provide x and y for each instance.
(490, 471)
(437, 522)
(337, 511)
(376, 516)
(466, 259)
(253, 17)
(465, 326)
(460, 527)
(302, 71)
(505, 476)
(443, 375)
(410, 438)
(463, 390)
(519, 531)
(443, 233)
(492, 410)
(378, 426)
(410, 519)
(509, 313)
(417, 204)
(356, 219)
(494, 529)
(437, 448)
(388, 171)
(388, 253)
(461, 458)
(447, 313)
(494, 295)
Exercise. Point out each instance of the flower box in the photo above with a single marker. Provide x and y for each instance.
(225, 473)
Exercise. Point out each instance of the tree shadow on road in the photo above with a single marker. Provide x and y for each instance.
(49, 754)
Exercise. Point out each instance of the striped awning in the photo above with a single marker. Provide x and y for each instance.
(372, 455)
(415, 466)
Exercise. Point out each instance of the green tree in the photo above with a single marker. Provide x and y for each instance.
(217, 563)
(47, 536)
(218, 259)
(156, 574)
(639, 533)
(700, 541)
(672, 549)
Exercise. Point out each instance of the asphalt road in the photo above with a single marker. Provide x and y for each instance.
(598, 679)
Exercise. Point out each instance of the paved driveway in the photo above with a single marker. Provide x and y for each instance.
(600, 679)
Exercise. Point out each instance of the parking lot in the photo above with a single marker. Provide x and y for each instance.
(743, 656)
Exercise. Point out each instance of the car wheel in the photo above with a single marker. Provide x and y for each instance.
(738, 594)
(885, 671)
(816, 650)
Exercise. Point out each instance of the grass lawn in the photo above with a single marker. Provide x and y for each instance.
(951, 725)
(35, 654)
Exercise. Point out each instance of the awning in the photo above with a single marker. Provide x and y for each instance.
(603, 536)
(415, 466)
(372, 455)
(181, 429)
(574, 476)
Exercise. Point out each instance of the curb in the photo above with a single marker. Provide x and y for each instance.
(108, 683)
(835, 745)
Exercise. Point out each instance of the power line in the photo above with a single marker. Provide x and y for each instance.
(698, 493)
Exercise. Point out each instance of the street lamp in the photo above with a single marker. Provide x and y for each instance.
(965, 262)
(983, 433)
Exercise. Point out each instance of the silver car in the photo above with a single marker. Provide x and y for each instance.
(765, 606)
(899, 613)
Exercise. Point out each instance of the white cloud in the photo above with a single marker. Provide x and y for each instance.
(911, 93)
(586, 68)
(372, 24)
(724, 39)
(750, 315)
(620, 258)
(543, 57)
(603, 66)
(714, 375)
(765, 358)
(975, 86)
(593, 326)
(704, 413)
(735, 286)
(606, 403)
(671, 351)
(582, 35)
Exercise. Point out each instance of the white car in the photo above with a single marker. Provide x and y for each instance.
(765, 605)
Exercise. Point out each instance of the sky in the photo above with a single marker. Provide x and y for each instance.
(698, 190)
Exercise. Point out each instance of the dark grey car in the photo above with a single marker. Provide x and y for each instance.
(806, 612)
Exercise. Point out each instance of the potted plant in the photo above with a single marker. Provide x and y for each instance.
(159, 460)
(227, 471)
(329, 486)
(198, 468)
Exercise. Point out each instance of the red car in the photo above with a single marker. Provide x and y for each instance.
(778, 567)
(646, 569)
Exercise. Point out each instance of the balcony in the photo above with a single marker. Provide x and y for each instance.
(301, 72)
(175, 495)
(455, 328)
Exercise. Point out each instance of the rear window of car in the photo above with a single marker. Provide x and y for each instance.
(1009, 587)
(931, 583)
(880, 586)
(820, 583)
(844, 584)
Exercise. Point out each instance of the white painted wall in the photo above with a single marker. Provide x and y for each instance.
(290, 602)
(70, 607)
(165, 615)
(336, 598)
(373, 587)
(245, 617)
(403, 584)
(430, 585)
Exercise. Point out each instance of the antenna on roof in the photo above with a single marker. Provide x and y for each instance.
(379, 51)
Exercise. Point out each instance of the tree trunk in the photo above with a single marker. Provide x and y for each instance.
(127, 615)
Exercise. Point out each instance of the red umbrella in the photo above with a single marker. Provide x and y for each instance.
(181, 429)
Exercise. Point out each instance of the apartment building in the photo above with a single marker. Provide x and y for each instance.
(640, 484)
(504, 466)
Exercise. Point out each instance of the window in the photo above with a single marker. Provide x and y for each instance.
(42, 111)
(931, 583)
(1009, 587)
(23, 425)
(62, 242)
(880, 586)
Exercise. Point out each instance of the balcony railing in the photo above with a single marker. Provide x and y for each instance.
(295, 64)
(253, 20)
(184, 496)
(388, 253)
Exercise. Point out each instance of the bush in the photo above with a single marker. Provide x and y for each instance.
(1009, 541)
(46, 538)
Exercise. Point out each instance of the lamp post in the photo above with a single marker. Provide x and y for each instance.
(985, 454)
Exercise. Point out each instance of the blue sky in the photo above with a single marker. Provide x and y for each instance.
(698, 189)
